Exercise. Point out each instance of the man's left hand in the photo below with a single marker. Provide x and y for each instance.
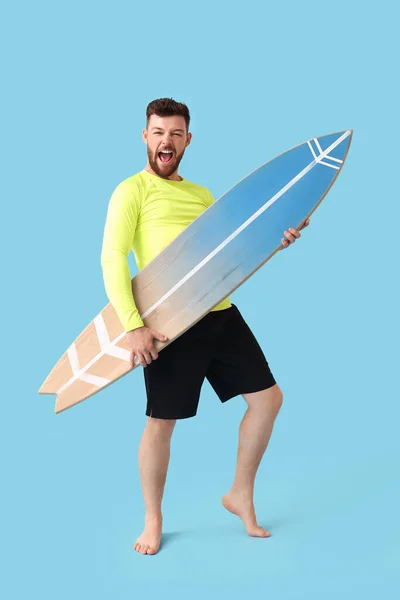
(291, 235)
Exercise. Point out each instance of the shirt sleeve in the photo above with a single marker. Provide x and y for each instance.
(209, 198)
(118, 236)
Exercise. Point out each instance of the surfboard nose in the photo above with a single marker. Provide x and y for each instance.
(331, 149)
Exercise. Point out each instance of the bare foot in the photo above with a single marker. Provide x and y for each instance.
(149, 541)
(244, 508)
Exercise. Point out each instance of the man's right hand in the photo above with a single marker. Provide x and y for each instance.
(141, 341)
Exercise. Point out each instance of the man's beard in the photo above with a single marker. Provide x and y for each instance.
(168, 169)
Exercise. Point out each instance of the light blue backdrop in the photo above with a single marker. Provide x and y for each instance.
(259, 78)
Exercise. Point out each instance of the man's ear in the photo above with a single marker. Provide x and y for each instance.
(144, 135)
(188, 139)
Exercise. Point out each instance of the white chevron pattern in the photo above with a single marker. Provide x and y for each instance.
(319, 155)
(107, 347)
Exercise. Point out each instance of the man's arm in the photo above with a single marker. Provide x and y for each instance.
(118, 235)
(209, 198)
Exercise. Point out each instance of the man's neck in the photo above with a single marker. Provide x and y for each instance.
(173, 177)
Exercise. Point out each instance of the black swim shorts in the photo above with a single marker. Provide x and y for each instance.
(219, 347)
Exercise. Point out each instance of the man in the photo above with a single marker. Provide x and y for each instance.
(146, 212)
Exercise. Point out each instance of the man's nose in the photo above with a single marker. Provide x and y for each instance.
(167, 139)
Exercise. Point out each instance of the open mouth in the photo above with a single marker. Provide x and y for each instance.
(165, 156)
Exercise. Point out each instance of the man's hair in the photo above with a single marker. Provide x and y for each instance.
(167, 107)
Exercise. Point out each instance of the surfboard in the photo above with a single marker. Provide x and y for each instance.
(203, 265)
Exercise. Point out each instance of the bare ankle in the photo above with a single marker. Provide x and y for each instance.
(243, 492)
(153, 517)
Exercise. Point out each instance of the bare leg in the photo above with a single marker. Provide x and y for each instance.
(154, 453)
(254, 434)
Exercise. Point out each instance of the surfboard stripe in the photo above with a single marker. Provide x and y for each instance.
(106, 345)
(73, 358)
(335, 159)
(312, 149)
(118, 352)
(94, 379)
(321, 162)
(318, 145)
(101, 330)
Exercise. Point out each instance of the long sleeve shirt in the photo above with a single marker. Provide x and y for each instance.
(145, 214)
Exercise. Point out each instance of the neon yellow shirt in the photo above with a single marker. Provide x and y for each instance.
(145, 214)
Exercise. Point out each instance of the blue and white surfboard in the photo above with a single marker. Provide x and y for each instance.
(211, 258)
(244, 228)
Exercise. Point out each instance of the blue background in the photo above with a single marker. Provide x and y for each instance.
(259, 78)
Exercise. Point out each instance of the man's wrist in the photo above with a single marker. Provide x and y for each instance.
(135, 328)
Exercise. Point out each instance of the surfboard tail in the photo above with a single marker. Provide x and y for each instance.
(98, 356)
(46, 388)
(60, 373)
(87, 385)
(74, 394)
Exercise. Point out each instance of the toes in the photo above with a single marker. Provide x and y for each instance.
(259, 532)
(265, 533)
(144, 548)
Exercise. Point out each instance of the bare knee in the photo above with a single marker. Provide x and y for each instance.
(276, 397)
(271, 398)
(162, 427)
